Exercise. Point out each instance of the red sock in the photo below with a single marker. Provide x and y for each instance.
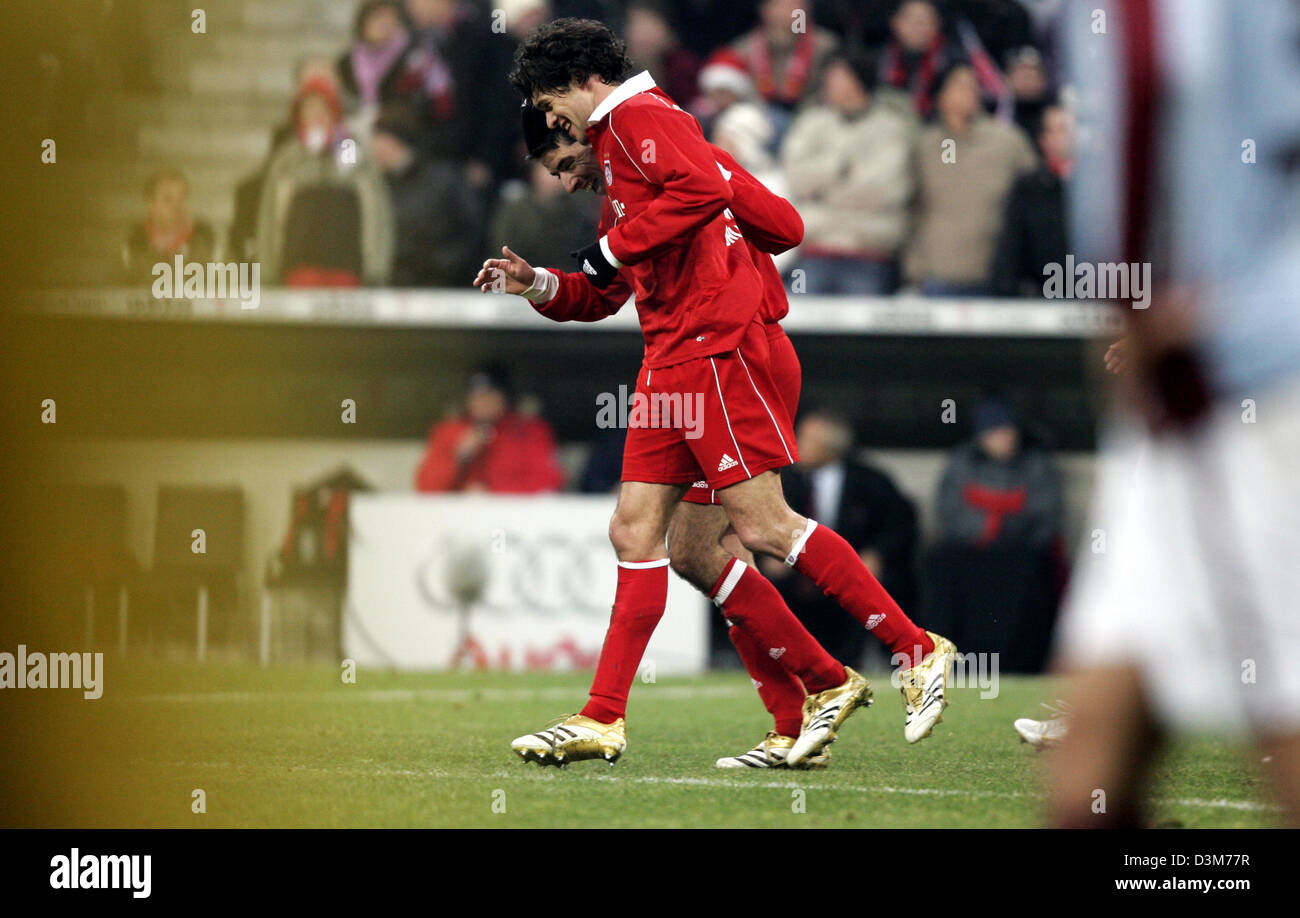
(638, 605)
(781, 692)
(823, 556)
(750, 602)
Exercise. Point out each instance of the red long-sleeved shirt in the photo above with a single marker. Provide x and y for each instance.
(770, 225)
(519, 459)
(696, 289)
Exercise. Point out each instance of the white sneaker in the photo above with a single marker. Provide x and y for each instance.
(924, 688)
(772, 752)
(572, 739)
(824, 714)
(1042, 734)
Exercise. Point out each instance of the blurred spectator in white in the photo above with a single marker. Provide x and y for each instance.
(737, 120)
(653, 44)
(540, 218)
(862, 504)
(167, 230)
(1030, 87)
(965, 164)
(370, 70)
(917, 53)
(848, 163)
(431, 205)
(785, 55)
(490, 445)
(1034, 228)
(325, 218)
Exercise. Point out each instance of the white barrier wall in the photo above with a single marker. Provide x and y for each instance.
(477, 581)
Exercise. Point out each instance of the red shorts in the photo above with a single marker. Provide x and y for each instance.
(720, 419)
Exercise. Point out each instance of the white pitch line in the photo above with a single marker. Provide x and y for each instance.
(881, 790)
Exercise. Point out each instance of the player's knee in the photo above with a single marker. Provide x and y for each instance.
(634, 538)
(758, 538)
(681, 562)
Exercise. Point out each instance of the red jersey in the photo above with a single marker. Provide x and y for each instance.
(696, 287)
(770, 225)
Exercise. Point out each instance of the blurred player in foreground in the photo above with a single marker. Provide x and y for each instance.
(1188, 619)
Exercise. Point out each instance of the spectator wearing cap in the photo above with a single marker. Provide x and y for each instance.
(785, 55)
(998, 488)
(1031, 90)
(431, 205)
(324, 217)
(965, 164)
(167, 230)
(994, 576)
(738, 121)
(849, 167)
(490, 446)
(241, 235)
(1034, 230)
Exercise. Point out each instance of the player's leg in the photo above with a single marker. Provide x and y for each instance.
(637, 531)
(1099, 770)
(694, 531)
(1282, 755)
(749, 416)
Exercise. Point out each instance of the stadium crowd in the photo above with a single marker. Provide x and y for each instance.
(926, 144)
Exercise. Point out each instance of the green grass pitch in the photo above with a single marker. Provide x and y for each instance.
(292, 746)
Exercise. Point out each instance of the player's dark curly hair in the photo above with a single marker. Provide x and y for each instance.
(566, 51)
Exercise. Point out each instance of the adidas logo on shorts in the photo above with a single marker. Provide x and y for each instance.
(727, 463)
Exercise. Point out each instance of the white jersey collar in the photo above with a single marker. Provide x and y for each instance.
(622, 92)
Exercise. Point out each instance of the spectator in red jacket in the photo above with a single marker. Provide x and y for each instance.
(490, 446)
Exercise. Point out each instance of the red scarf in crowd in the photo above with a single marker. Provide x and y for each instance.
(797, 71)
(922, 83)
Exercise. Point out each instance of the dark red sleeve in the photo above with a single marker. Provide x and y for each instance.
(768, 220)
(438, 470)
(692, 189)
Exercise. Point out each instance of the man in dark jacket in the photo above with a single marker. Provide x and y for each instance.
(1033, 232)
(431, 205)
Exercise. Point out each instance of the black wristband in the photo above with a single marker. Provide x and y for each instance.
(592, 262)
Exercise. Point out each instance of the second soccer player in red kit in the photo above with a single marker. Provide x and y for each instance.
(698, 297)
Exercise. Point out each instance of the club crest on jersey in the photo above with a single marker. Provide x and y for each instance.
(609, 174)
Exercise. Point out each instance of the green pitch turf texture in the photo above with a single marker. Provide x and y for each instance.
(295, 746)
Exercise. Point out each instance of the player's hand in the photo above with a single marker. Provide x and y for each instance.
(1118, 357)
(510, 274)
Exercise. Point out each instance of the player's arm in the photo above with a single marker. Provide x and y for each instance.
(768, 220)
(560, 296)
(666, 147)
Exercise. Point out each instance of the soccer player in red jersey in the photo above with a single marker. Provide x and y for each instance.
(698, 295)
(776, 226)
